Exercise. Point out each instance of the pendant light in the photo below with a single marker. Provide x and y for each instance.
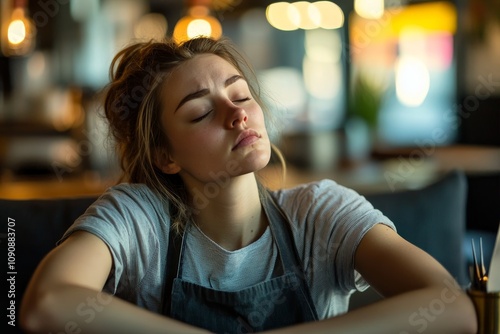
(198, 21)
(19, 31)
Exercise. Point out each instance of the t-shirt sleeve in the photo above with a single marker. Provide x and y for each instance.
(351, 217)
(125, 218)
(335, 219)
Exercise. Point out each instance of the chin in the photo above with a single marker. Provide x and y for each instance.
(257, 162)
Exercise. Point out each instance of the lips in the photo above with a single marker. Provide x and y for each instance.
(245, 138)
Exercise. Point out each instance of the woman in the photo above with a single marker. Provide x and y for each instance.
(193, 243)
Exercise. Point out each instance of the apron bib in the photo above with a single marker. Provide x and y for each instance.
(283, 300)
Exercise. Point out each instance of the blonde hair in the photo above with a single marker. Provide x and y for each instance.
(133, 104)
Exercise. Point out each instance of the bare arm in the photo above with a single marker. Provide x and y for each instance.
(422, 296)
(64, 295)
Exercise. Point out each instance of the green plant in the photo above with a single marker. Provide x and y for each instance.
(365, 100)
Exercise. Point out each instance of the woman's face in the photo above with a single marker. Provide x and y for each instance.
(215, 128)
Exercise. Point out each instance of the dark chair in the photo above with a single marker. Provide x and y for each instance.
(432, 218)
(38, 224)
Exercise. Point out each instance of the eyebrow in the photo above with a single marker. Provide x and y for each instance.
(203, 92)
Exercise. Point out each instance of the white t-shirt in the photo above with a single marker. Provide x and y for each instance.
(327, 220)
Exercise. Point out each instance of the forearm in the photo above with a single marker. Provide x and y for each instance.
(72, 309)
(433, 310)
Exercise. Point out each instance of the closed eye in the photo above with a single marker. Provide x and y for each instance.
(243, 100)
(202, 117)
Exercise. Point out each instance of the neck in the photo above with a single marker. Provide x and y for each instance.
(233, 217)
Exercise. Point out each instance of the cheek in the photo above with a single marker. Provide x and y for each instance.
(258, 116)
(192, 144)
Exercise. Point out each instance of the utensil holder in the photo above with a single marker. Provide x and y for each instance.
(487, 307)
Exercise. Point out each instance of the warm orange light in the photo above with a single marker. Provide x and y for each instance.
(424, 16)
(398, 19)
(19, 34)
(369, 9)
(304, 15)
(283, 16)
(16, 33)
(197, 23)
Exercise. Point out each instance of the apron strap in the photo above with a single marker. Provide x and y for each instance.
(283, 236)
(171, 268)
(290, 258)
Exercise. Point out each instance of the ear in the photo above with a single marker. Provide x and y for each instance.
(165, 163)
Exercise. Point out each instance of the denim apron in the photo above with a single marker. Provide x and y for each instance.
(281, 301)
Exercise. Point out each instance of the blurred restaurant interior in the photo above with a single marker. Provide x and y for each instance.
(377, 95)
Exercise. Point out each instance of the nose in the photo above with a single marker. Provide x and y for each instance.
(235, 116)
